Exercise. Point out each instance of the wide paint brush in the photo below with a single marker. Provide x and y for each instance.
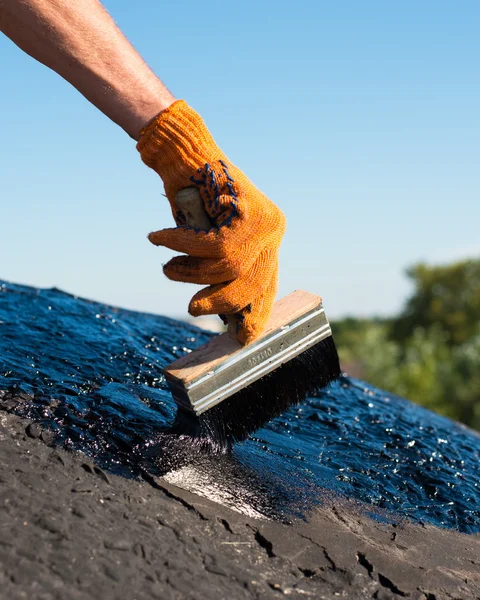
(226, 391)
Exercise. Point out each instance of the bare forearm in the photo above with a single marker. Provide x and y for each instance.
(80, 41)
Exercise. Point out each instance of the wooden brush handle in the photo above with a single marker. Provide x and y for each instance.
(190, 203)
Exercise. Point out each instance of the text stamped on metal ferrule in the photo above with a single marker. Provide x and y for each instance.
(261, 356)
(258, 360)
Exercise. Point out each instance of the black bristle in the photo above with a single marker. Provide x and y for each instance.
(240, 415)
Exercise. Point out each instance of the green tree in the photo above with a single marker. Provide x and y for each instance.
(447, 296)
(461, 382)
(430, 353)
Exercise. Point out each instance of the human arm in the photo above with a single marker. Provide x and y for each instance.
(237, 257)
(80, 41)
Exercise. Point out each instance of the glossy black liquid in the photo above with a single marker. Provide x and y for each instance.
(93, 375)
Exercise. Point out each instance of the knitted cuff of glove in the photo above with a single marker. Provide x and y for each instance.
(176, 137)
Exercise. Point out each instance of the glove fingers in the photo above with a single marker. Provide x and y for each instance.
(234, 296)
(252, 321)
(227, 232)
(189, 241)
(207, 271)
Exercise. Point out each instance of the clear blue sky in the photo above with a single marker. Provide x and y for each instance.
(360, 119)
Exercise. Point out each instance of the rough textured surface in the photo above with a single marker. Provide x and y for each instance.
(68, 530)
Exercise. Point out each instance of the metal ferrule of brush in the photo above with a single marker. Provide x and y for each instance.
(252, 362)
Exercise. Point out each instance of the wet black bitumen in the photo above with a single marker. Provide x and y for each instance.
(91, 376)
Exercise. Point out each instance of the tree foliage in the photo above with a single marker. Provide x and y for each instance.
(447, 296)
(430, 353)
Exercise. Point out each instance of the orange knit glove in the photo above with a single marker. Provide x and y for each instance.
(238, 256)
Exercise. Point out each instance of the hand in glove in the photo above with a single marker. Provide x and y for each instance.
(237, 258)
